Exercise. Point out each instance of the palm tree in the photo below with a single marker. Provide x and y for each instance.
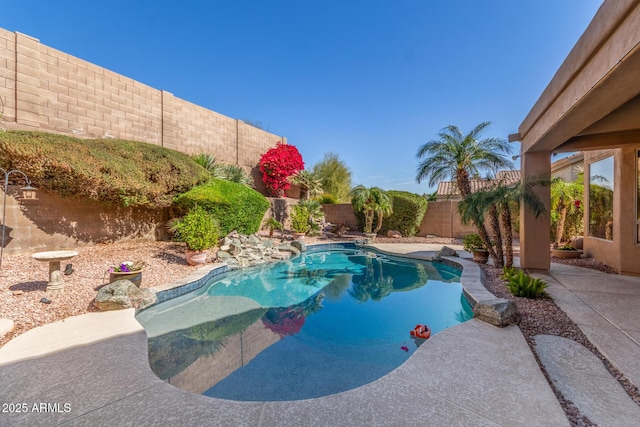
(310, 185)
(504, 198)
(456, 156)
(372, 202)
(563, 198)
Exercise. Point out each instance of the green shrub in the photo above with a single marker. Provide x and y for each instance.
(408, 213)
(300, 219)
(471, 242)
(509, 272)
(314, 215)
(236, 207)
(198, 229)
(207, 161)
(328, 199)
(119, 172)
(522, 285)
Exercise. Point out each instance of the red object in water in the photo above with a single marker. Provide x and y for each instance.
(405, 348)
(421, 331)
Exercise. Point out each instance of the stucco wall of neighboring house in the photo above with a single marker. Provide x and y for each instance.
(569, 168)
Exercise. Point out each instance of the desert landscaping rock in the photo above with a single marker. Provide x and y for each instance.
(498, 312)
(123, 294)
(240, 251)
(445, 251)
(301, 246)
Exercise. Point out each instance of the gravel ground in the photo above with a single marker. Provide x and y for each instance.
(23, 282)
(586, 263)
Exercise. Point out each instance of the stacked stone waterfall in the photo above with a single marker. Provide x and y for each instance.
(240, 251)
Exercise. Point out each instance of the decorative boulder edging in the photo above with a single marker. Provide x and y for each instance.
(445, 251)
(239, 251)
(486, 306)
(498, 312)
(123, 294)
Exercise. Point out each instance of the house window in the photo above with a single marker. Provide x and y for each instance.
(601, 199)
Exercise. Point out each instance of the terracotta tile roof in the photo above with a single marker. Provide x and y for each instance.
(449, 189)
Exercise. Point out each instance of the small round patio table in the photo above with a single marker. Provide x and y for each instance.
(53, 258)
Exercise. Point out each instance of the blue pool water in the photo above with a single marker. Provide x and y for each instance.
(321, 323)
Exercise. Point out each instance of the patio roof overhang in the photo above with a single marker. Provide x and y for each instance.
(593, 101)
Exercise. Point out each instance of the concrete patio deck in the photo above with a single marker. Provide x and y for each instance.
(93, 370)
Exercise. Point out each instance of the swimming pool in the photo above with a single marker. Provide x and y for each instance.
(324, 322)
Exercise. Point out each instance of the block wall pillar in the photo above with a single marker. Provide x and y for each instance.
(535, 233)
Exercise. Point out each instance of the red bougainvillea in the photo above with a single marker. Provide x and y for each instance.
(277, 165)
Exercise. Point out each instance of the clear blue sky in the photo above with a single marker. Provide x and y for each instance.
(369, 80)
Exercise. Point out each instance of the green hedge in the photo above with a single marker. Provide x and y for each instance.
(235, 206)
(408, 212)
(113, 171)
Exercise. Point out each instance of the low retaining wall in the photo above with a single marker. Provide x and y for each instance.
(52, 222)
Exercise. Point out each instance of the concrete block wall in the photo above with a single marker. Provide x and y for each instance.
(48, 90)
(340, 214)
(441, 219)
(191, 128)
(7, 75)
(52, 222)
